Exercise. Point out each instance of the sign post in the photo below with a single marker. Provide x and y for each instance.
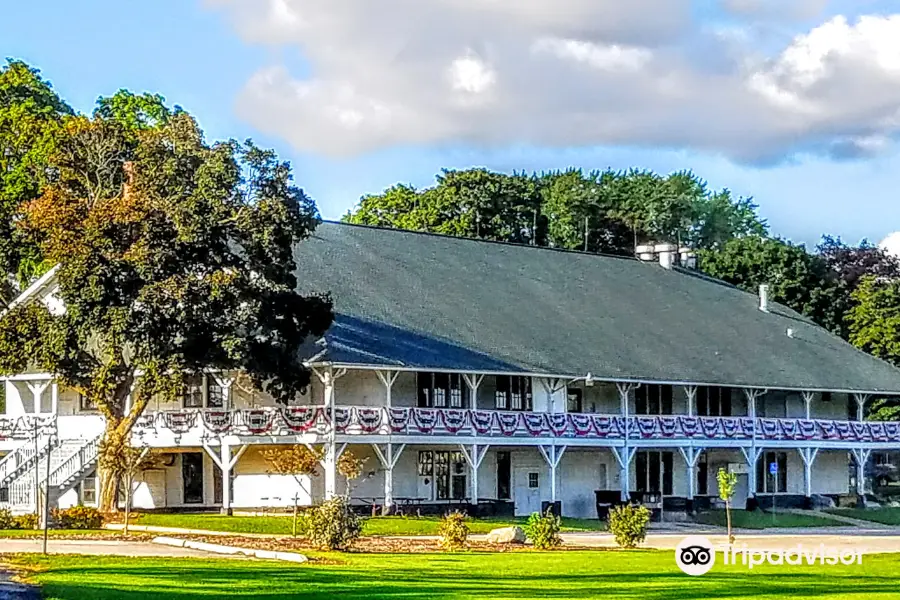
(773, 471)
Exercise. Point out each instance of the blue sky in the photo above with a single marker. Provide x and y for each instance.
(353, 97)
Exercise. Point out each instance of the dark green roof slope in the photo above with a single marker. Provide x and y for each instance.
(419, 300)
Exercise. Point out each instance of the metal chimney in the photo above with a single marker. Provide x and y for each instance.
(764, 297)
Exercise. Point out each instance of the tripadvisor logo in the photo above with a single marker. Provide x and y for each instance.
(695, 555)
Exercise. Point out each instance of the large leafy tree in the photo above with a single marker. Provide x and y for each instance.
(173, 255)
(31, 116)
(797, 279)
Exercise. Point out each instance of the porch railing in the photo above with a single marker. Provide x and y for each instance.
(365, 420)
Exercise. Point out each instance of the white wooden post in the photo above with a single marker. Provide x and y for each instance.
(37, 391)
(329, 463)
(860, 405)
(474, 455)
(691, 456)
(809, 457)
(861, 456)
(628, 452)
(553, 455)
(751, 455)
(225, 461)
(690, 393)
(387, 378)
(388, 457)
(807, 400)
(225, 383)
(623, 457)
(473, 381)
(54, 398)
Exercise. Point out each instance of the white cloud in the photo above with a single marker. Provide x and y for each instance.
(568, 73)
(891, 244)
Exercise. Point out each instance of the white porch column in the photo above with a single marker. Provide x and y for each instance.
(54, 398)
(751, 455)
(387, 378)
(329, 462)
(388, 455)
(225, 383)
(860, 405)
(623, 457)
(552, 454)
(861, 456)
(690, 394)
(226, 461)
(809, 457)
(473, 381)
(691, 456)
(474, 454)
(37, 389)
(807, 400)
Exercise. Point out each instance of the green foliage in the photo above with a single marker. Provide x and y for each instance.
(77, 517)
(727, 484)
(135, 112)
(29, 521)
(874, 320)
(543, 530)
(333, 525)
(628, 524)
(7, 520)
(31, 115)
(599, 211)
(799, 280)
(454, 531)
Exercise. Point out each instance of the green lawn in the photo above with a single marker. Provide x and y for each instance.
(886, 516)
(644, 575)
(762, 520)
(371, 526)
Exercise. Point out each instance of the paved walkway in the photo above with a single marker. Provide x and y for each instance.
(844, 519)
(99, 547)
(10, 590)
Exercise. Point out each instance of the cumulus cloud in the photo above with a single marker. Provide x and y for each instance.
(568, 73)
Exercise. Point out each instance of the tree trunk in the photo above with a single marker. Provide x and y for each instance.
(728, 521)
(109, 467)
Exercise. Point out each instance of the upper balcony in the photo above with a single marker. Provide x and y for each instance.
(372, 424)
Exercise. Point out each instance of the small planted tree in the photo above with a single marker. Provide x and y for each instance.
(454, 531)
(350, 466)
(727, 484)
(333, 525)
(628, 524)
(543, 530)
(297, 461)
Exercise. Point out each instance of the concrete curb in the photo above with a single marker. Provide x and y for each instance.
(294, 557)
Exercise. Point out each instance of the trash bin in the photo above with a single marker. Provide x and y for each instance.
(606, 499)
(555, 507)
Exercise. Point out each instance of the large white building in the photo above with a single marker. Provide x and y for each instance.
(498, 377)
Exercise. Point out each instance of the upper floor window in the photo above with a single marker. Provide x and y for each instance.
(441, 390)
(575, 400)
(513, 393)
(714, 401)
(653, 399)
(85, 404)
(202, 391)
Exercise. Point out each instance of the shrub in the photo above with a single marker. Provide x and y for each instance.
(543, 530)
(333, 525)
(454, 531)
(29, 521)
(629, 524)
(7, 520)
(78, 517)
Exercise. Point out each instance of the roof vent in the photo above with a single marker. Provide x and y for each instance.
(790, 332)
(764, 297)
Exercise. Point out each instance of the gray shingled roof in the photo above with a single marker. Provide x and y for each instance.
(427, 301)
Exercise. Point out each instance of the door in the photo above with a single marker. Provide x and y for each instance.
(192, 477)
(528, 491)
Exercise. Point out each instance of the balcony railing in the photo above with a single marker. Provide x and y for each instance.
(362, 420)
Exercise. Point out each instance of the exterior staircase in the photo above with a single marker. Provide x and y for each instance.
(70, 462)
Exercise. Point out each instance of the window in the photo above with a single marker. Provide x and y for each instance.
(534, 480)
(441, 390)
(652, 399)
(450, 475)
(202, 391)
(654, 472)
(504, 476)
(89, 490)
(714, 401)
(702, 476)
(426, 463)
(766, 482)
(575, 400)
(513, 393)
(85, 404)
(193, 392)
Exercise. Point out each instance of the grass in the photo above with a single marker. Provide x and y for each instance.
(647, 575)
(758, 519)
(281, 525)
(885, 516)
